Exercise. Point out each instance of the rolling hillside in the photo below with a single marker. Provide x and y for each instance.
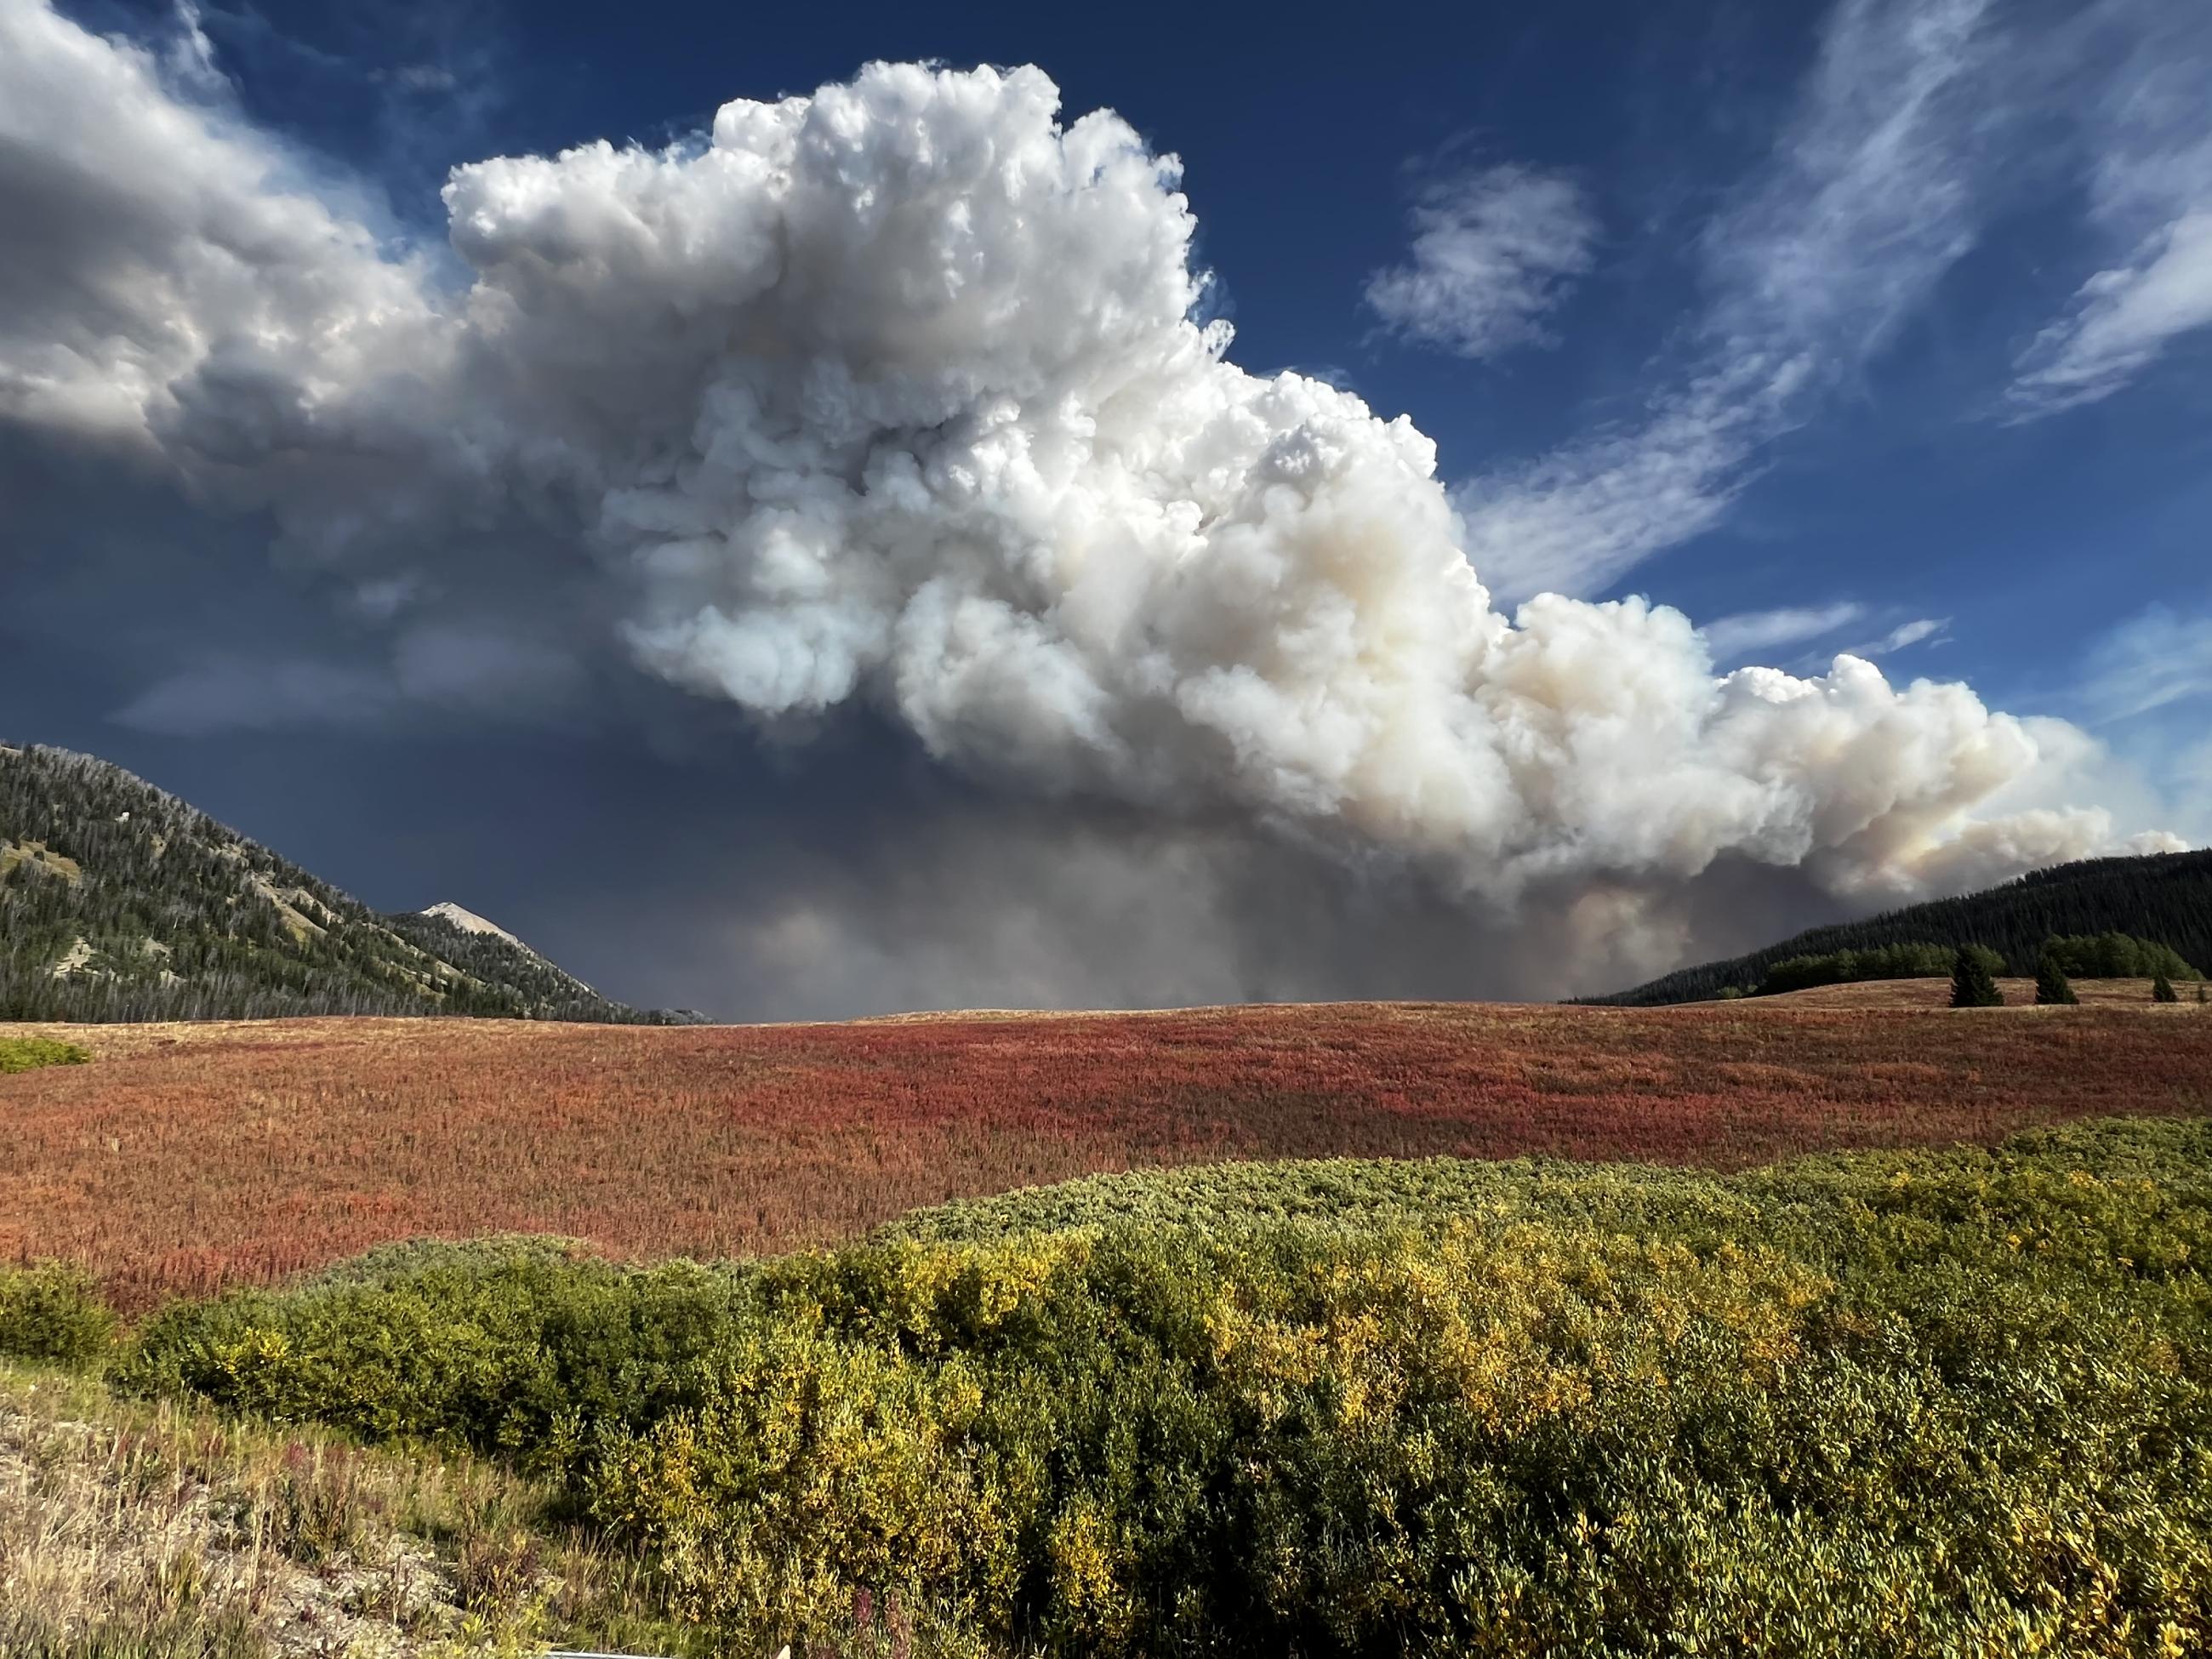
(2166, 898)
(185, 1158)
(119, 902)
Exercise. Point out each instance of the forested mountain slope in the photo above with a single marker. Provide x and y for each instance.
(2164, 897)
(119, 900)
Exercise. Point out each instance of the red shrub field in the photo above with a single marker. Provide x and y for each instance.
(188, 1156)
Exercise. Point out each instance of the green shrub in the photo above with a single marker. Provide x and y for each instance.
(1848, 967)
(1543, 1437)
(53, 1312)
(28, 1054)
(1919, 1401)
(2117, 956)
(511, 1346)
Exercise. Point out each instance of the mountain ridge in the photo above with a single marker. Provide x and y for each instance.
(119, 901)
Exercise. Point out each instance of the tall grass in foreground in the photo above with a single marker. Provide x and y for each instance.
(161, 1531)
(1892, 1403)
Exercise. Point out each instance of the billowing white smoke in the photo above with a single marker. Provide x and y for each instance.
(898, 392)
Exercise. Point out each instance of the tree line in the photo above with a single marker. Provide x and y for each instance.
(2162, 899)
(2091, 956)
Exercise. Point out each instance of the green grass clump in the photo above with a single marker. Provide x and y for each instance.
(1897, 1402)
(28, 1054)
(52, 1312)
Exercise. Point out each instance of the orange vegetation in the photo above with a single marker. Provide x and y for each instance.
(191, 1156)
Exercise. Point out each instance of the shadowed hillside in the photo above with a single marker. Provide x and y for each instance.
(119, 902)
(2165, 898)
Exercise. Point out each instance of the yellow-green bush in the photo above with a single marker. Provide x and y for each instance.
(28, 1054)
(51, 1311)
(812, 1469)
(1543, 1442)
(1898, 1403)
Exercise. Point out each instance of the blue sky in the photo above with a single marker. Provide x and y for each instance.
(1879, 328)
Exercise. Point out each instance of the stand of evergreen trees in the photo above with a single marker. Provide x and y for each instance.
(119, 902)
(2101, 955)
(2161, 906)
(2053, 987)
(1916, 961)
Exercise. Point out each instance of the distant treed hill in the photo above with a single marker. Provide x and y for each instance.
(119, 902)
(2165, 898)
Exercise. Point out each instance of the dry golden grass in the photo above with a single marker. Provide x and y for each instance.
(123, 1529)
(188, 1156)
(128, 1529)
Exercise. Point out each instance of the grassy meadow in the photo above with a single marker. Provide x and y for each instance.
(191, 1157)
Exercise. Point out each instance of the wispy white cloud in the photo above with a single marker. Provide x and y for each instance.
(425, 77)
(1572, 522)
(1867, 199)
(1733, 638)
(2156, 659)
(1493, 252)
(2142, 691)
(1915, 125)
(1870, 194)
(2121, 319)
(234, 695)
(1921, 630)
(2151, 196)
(482, 671)
(1737, 638)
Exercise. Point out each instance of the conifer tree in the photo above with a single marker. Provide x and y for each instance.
(1971, 986)
(2052, 987)
(2161, 989)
